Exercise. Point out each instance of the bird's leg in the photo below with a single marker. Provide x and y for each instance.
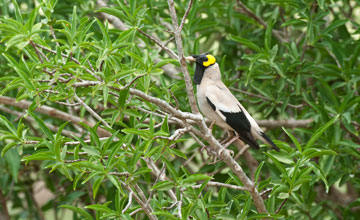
(233, 138)
(211, 126)
(229, 136)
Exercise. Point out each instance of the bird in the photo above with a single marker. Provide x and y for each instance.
(217, 103)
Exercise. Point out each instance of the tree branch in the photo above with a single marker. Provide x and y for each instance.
(156, 41)
(92, 112)
(5, 213)
(52, 112)
(288, 123)
(185, 15)
(31, 120)
(218, 184)
(182, 61)
(146, 208)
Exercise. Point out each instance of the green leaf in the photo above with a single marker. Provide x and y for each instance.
(8, 125)
(30, 22)
(196, 177)
(43, 127)
(161, 63)
(17, 12)
(163, 185)
(42, 155)
(320, 131)
(257, 172)
(320, 152)
(82, 212)
(8, 147)
(115, 12)
(61, 128)
(335, 24)
(88, 164)
(13, 159)
(268, 35)
(293, 139)
(106, 95)
(245, 42)
(96, 185)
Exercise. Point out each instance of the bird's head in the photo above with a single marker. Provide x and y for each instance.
(203, 61)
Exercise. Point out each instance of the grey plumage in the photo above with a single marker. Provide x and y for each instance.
(218, 104)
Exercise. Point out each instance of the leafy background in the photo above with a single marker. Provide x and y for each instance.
(294, 62)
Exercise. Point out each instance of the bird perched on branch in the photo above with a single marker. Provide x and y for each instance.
(218, 104)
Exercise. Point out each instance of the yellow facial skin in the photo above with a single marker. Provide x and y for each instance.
(211, 60)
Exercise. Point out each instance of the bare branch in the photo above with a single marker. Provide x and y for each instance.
(177, 134)
(185, 15)
(129, 203)
(36, 51)
(168, 50)
(288, 123)
(160, 175)
(5, 213)
(67, 104)
(218, 184)
(32, 121)
(281, 205)
(92, 112)
(71, 58)
(182, 61)
(126, 174)
(131, 82)
(179, 205)
(146, 208)
(52, 112)
(165, 106)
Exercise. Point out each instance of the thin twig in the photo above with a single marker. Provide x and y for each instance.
(135, 211)
(52, 112)
(5, 212)
(168, 50)
(129, 203)
(146, 208)
(176, 135)
(92, 112)
(182, 61)
(67, 104)
(175, 99)
(219, 184)
(185, 15)
(71, 58)
(179, 205)
(36, 51)
(159, 174)
(281, 205)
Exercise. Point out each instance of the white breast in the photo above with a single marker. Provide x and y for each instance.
(207, 111)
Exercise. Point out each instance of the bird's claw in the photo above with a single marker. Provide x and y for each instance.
(211, 127)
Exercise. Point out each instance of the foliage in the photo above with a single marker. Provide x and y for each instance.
(100, 149)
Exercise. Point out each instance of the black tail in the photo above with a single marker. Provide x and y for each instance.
(269, 141)
(249, 139)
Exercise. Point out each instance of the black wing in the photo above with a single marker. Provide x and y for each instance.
(239, 122)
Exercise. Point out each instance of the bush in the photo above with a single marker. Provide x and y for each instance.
(98, 113)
